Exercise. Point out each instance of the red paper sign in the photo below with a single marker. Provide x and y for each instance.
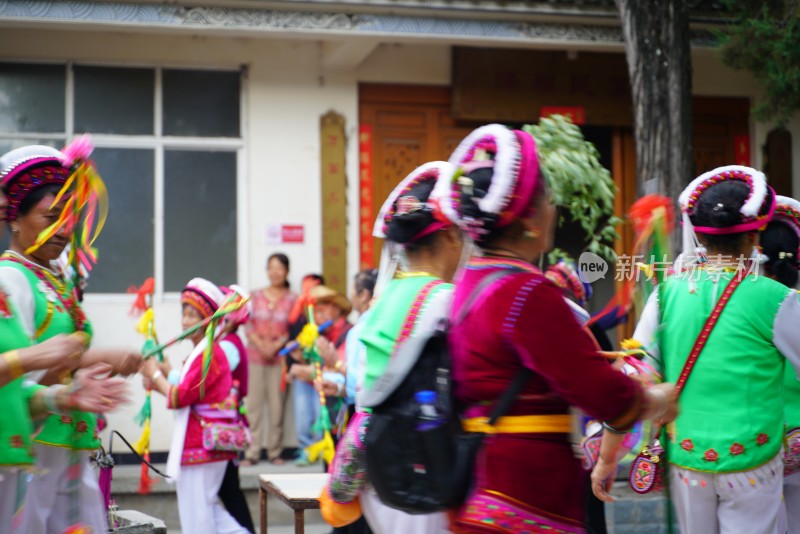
(292, 233)
(365, 217)
(742, 149)
(285, 233)
(577, 114)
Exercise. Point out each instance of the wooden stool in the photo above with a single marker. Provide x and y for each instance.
(299, 492)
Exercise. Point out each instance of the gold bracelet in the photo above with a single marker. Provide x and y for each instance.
(15, 369)
(337, 365)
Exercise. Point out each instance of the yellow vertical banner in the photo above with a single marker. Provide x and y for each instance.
(334, 201)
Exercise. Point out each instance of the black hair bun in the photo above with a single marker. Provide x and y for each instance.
(404, 227)
(475, 186)
(779, 243)
(719, 205)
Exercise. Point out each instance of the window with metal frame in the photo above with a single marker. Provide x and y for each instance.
(167, 143)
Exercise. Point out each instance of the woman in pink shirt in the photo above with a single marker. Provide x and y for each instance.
(267, 333)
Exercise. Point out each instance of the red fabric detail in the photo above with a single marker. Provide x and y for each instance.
(139, 305)
(711, 455)
(5, 311)
(336, 333)
(762, 439)
(687, 445)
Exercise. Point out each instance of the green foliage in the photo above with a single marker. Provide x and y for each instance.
(578, 182)
(764, 39)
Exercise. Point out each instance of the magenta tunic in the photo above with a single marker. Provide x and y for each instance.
(187, 393)
(529, 482)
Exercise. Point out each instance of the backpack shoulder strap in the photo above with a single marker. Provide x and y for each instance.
(509, 395)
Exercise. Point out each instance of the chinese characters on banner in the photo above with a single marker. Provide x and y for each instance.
(365, 217)
(742, 149)
(334, 201)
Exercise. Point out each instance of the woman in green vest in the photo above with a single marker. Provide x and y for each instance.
(24, 401)
(780, 243)
(724, 448)
(427, 245)
(47, 305)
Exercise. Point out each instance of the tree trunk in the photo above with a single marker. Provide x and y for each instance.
(659, 65)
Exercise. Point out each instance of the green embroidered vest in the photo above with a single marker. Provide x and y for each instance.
(731, 410)
(76, 430)
(16, 427)
(387, 321)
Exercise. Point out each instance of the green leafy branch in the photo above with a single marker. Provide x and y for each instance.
(578, 183)
(764, 39)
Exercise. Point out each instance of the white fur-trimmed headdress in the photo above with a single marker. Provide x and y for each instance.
(751, 220)
(437, 171)
(512, 156)
(400, 202)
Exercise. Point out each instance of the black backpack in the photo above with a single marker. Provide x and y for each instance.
(416, 471)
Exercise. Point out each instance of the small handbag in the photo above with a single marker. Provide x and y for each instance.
(225, 436)
(647, 469)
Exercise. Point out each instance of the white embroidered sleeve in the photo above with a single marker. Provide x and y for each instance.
(16, 286)
(647, 328)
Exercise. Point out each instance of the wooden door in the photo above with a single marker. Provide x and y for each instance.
(410, 125)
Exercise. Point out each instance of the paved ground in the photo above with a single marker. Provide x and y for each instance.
(631, 514)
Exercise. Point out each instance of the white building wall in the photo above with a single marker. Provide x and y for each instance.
(287, 89)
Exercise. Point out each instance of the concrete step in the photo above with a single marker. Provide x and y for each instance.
(162, 503)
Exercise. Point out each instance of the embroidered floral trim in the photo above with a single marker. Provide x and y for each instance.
(17, 442)
(81, 426)
(711, 455)
(687, 445)
(66, 419)
(5, 310)
(762, 439)
(737, 449)
(498, 513)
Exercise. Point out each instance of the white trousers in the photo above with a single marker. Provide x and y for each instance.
(732, 503)
(200, 509)
(383, 519)
(46, 508)
(9, 480)
(790, 513)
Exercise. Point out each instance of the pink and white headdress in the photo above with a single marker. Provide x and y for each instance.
(751, 220)
(400, 202)
(203, 296)
(515, 162)
(242, 315)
